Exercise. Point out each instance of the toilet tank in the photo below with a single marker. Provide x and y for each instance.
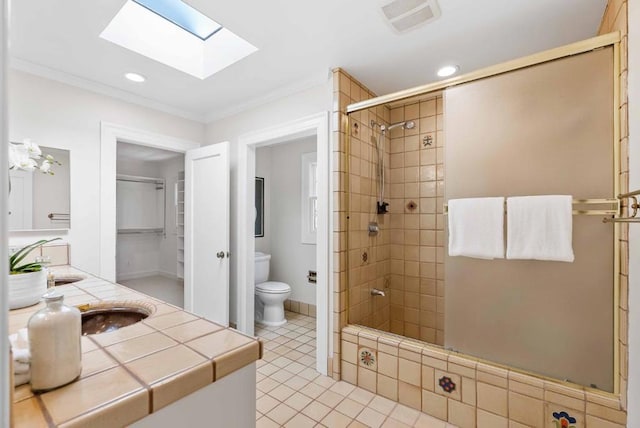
(261, 267)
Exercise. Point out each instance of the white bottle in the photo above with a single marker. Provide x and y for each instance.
(54, 342)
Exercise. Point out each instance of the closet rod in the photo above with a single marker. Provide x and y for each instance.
(136, 179)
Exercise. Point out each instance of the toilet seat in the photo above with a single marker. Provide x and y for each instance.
(273, 287)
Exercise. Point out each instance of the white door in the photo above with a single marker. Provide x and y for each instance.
(206, 237)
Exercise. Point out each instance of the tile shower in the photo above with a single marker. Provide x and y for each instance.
(405, 258)
(488, 394)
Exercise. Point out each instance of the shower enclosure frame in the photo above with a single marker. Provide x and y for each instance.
(611, 39)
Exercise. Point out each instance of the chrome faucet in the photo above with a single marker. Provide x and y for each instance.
(376, 292)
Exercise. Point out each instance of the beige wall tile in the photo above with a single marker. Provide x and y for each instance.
(469, 391)
(564, 400)
(595, 422)
(525, 389)
(461, 415)
(492, 398)
(387, 387)
(525, 409)
(388, 365)
(367, 379)
(489, 420)
(59, 254)
(349, 372)
(607, 413)
(409, 372)
(349, 352)
(434, 405)
(428, 378)
(409, 395)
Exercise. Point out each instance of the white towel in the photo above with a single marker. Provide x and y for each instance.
(540, 228)
(476, 227)
(21, 357)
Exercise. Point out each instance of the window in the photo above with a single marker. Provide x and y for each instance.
(309, 197)
(184, 16)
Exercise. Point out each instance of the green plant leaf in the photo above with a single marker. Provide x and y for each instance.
(19, 255)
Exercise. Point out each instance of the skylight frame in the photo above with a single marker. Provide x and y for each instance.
(178, 23)
(140, 30)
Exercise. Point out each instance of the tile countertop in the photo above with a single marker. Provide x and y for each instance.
(137, 370)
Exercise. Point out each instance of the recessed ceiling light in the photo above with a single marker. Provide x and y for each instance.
(448, 70)
(135, 77)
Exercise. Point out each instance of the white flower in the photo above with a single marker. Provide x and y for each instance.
(25, 156)
(19, 157)
(32, 148)
(46, 167)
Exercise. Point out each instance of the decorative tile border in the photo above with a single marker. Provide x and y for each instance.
(467, 392)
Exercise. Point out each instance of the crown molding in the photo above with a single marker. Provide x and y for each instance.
(282, 92)
(99, 88)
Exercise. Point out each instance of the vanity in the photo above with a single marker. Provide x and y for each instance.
(154, 373)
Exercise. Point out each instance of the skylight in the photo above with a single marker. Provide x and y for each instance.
(184, 16)
(166, 34)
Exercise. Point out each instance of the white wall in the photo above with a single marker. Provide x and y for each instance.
(61, 116)
(311, 101)
(633, 398)
(263, 169)
(290, 259)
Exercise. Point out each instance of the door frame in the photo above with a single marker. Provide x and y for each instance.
(318, 125)
(110, 135)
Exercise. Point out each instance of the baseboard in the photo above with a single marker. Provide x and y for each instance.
(300, 307)
(169, 275)
(136, 275)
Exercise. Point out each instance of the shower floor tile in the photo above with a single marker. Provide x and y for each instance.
(292, 394)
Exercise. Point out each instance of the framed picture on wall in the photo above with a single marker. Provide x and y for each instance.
(259, 227)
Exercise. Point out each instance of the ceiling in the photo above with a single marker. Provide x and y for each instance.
(298, 41)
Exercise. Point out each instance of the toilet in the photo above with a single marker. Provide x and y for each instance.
(270, 295)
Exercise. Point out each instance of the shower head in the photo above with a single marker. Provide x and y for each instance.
(410, 124)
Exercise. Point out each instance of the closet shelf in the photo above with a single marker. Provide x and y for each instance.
(140, 230)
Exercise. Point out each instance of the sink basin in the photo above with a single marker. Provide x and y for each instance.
(63, 281)
(67, 279)
(107, 317)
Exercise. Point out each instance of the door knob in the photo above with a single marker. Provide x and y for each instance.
(220, 254)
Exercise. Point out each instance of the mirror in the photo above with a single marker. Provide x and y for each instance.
(259, 226)
(41, 201)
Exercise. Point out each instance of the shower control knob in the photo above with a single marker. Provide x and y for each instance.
(220, 254)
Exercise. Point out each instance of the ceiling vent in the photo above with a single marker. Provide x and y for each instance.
(405, 15)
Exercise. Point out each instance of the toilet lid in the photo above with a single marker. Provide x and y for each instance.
(273, 287)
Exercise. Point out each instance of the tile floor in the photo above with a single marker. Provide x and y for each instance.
(291, 393)
(167, 289)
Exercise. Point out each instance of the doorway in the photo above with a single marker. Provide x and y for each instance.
(316, 127)
(150, 221)
(111, 135)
